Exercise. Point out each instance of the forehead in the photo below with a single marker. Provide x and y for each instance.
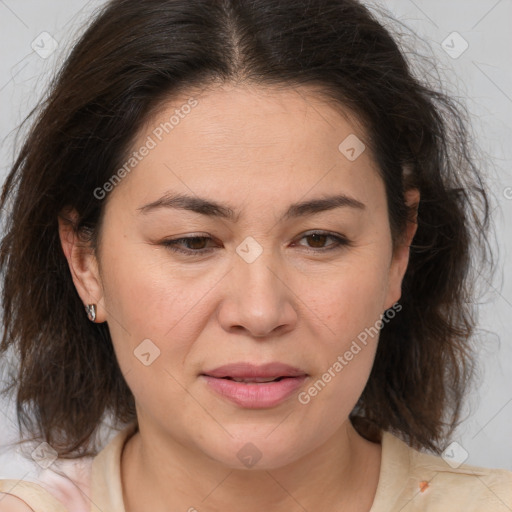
(237, 117)
(257, 141)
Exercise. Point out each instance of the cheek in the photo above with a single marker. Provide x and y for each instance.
(150, 293)
(149, 299)
(349, 306)
(353, 297)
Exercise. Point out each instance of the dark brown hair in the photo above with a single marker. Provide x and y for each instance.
(133, 57)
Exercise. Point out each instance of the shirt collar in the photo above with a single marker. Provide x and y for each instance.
(107, 492)
(106, 488)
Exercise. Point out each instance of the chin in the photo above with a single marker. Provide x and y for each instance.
(252, 451)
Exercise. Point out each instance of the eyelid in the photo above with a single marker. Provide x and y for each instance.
(173, 244)
(341, 242)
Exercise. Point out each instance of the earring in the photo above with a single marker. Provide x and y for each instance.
(91, 312)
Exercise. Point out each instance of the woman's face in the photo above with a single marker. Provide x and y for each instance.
(261, 287)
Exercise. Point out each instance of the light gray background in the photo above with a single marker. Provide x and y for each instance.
(481, 76)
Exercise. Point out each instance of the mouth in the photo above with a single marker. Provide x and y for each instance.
(255, 387)
(255, 380)
(249, 372)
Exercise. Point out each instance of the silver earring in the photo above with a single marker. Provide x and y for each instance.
(91, 312)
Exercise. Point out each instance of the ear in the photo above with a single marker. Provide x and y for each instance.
(82, 263)
(400, 258)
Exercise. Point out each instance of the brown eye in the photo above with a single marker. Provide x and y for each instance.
(196, 242)
(192, 245)
(317, 241)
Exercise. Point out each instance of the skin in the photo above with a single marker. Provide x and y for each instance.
(257, 150)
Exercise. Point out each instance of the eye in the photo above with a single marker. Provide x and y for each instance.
(196, 245)
(318, 238)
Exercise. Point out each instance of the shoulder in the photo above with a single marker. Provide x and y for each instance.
(471, 487)
(429, 481)
(62, 487)
(71, 485)
(23, 496)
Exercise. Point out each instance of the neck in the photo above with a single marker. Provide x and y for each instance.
(159, 473)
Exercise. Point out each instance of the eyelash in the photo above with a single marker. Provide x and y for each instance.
(173, 244)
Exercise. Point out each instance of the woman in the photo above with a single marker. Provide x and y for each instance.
(269, 221)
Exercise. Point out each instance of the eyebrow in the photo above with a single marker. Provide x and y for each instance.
(213, 209)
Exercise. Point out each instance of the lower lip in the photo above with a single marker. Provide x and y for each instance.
(255, 396)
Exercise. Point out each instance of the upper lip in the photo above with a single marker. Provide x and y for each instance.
(244, 370)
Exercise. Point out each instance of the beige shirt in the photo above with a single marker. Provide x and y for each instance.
(409, 481)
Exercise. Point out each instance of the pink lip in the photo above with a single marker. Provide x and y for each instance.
(255, 395)
(244, 370)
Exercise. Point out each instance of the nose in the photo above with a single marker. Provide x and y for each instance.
(258, 300)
